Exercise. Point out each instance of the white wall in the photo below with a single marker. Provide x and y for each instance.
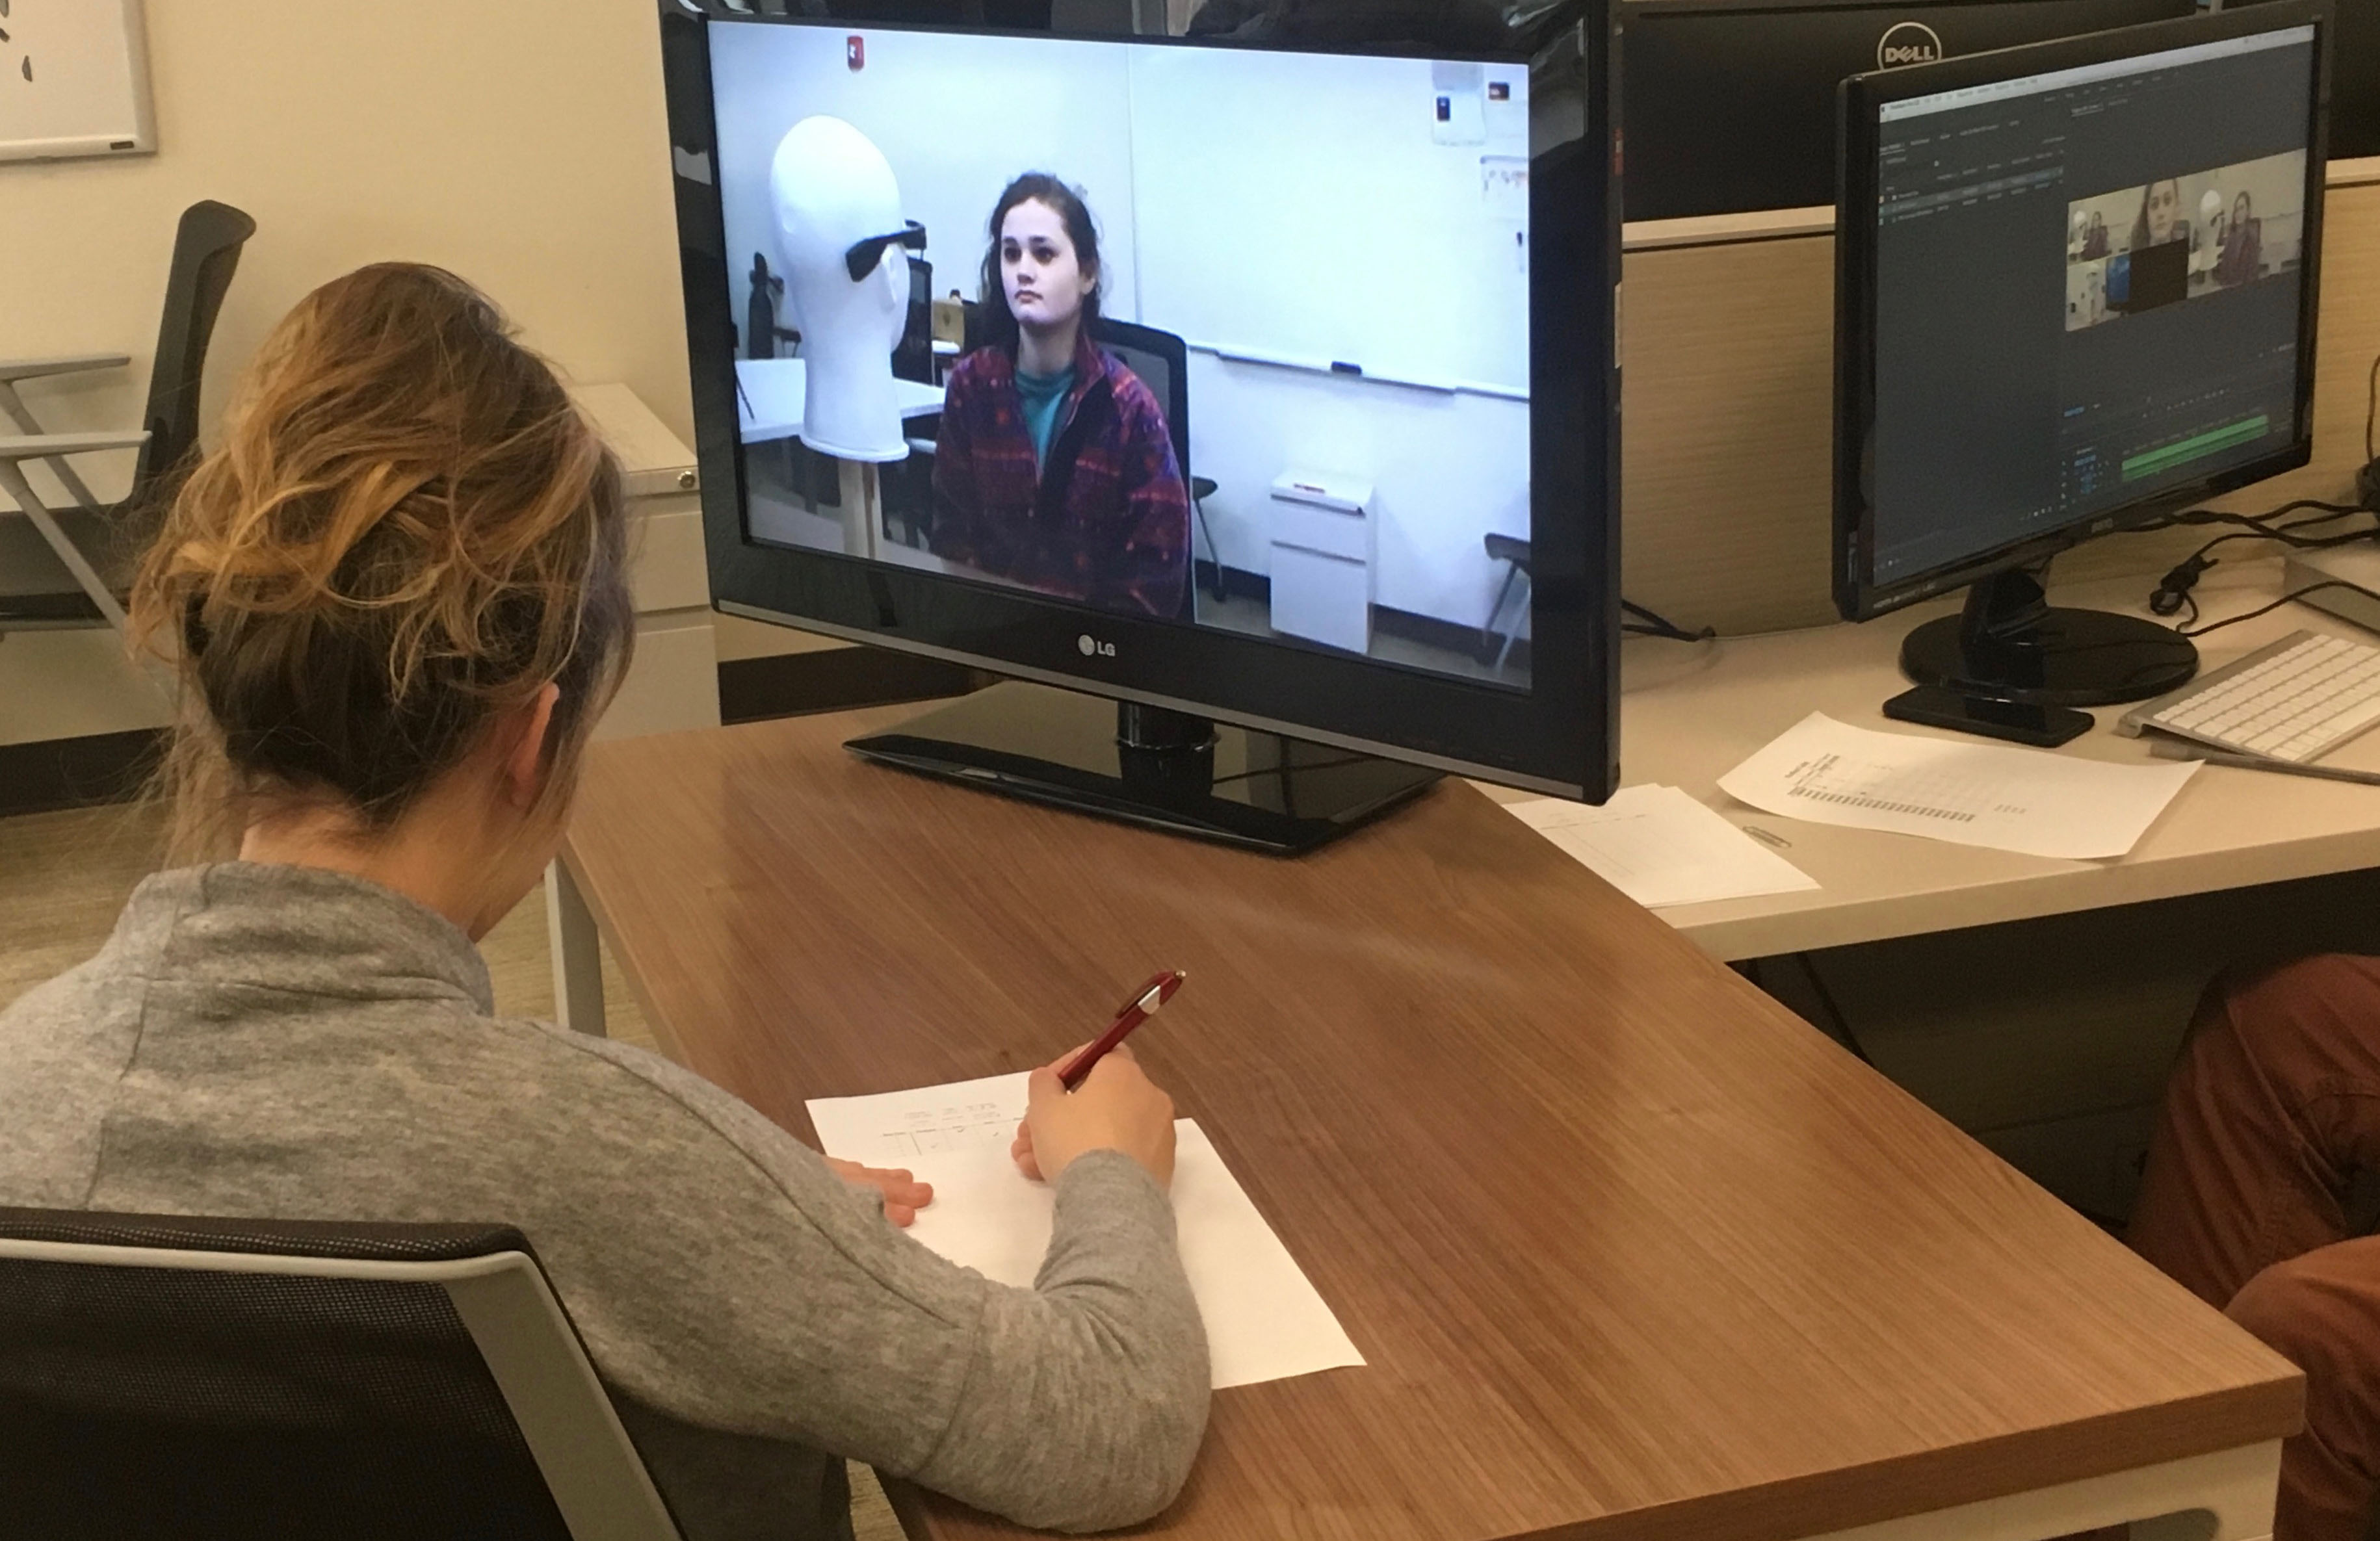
(521, 144)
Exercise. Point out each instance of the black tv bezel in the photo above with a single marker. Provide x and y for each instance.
(1858, 596)
(1560, 736)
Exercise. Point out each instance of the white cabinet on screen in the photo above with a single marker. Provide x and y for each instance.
(1322, 567)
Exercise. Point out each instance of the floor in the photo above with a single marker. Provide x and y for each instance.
(64, 875)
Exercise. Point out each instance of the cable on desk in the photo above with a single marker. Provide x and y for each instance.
(1658, 625)
(2172, 593)
(2267, 609)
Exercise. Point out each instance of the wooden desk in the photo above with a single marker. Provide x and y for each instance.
(1688, 715)
(1633, 1253)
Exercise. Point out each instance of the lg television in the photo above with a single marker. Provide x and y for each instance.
(2075, 292)
(1261, 399)
(1730, 105)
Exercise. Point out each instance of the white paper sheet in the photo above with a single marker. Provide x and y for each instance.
(1660, 847)
(1264, 1320)
(2027, 800)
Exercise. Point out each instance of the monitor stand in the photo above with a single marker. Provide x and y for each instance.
(2010, 644)
(1148, 766)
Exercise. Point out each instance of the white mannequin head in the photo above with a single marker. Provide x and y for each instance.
(832, 188)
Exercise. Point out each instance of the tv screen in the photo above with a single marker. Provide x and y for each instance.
(1272, 382)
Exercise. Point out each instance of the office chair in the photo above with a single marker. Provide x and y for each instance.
(1506, 547)
(65, 568)
(761, 332)
(913, 359)
(201, 1378)
(1163, 364)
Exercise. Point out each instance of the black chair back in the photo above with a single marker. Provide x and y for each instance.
(206, 254)
(198, 1401)
(913, 359)
(1162, 362)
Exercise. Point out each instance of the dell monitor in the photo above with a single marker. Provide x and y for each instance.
(1261, 399)
(1730, 105)
(2075, 293)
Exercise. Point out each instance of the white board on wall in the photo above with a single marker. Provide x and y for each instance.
(1405, 260)
(74, 79)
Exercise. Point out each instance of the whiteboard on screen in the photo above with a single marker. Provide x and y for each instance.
(1317, 211)
(74, 79)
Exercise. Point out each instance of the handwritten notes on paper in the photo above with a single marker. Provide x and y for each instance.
(1264, 1319)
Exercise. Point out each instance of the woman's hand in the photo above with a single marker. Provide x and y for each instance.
(1116, 1107)
(903, 1195)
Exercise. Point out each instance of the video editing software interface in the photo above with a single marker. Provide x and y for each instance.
(2087, 289)
(1339, 243)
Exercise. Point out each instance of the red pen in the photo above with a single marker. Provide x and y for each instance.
(1131, 1015)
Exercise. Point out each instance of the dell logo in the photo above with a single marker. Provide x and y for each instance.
(1908, 42)
(1091, 647)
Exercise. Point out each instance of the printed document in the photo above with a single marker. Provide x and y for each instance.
(1660, 847)
(2025, 800)
(1264, 1319)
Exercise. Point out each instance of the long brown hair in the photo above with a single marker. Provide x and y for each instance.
(997, 323)
(407, 528)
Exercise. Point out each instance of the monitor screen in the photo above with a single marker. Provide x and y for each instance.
(1205, 227)
(1276, 382)
(2082, 292)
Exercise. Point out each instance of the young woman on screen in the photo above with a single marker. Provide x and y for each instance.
(1054, 468)
(2160, 217)
(395, 602)
(2243, 247)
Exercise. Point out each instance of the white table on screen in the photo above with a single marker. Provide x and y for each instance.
(775, 391)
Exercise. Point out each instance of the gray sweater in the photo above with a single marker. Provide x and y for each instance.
(279, 1042)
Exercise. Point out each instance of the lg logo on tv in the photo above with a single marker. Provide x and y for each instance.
(1909, 42)
(1091, 647)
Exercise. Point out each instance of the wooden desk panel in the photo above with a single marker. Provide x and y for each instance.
(1631, 1251)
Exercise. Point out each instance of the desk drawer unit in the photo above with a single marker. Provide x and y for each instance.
(673, 683)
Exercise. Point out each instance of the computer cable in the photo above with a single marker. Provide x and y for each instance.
(1658, 625)
(2172, 592)
(2292, 596)
(2367, 480)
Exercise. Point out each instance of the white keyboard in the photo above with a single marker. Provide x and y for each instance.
(2291, 701)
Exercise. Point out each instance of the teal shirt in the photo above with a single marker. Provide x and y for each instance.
(1043, 395)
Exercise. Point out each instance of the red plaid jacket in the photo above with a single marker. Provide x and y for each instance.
(1107, 522)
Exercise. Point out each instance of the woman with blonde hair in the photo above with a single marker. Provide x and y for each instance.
(394, 601)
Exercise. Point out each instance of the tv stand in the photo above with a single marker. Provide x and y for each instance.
(2011, 644)
(1148, 766)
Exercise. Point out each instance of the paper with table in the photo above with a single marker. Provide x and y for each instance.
(1264, 1319)
(1660, 847)
(2024, 800)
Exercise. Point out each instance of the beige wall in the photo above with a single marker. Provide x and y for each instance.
(520, 144)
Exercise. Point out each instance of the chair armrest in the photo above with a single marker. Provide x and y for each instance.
(28, 369)
(41, 446)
